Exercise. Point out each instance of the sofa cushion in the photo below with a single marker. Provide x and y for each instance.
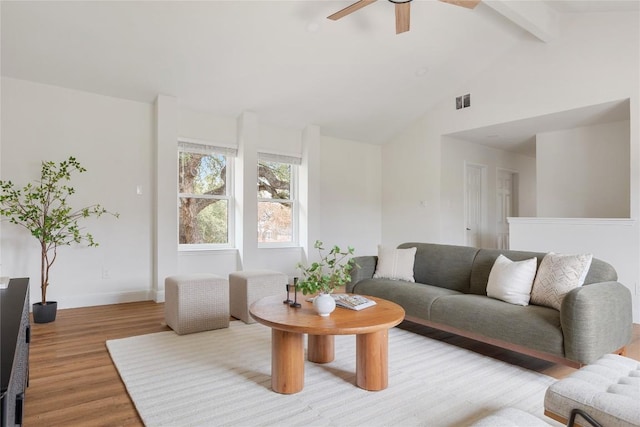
(483, 263)
(557, 276)
(395, 264)
(533, 326)
(511, 281)
(445, 266)
(415, 298)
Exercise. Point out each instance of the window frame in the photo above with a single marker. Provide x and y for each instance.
(294, 163)
(230, 153)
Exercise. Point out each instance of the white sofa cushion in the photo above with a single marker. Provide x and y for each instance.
(395, 264)
(511, 281)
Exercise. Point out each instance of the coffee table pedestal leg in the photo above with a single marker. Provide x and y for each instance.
(287, 362)
(320, 348)
(372, 360)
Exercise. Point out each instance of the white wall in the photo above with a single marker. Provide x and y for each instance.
(595, 59)
(121, 144)
(584, 172)
(112, 138)
(455, 154)
(583, 236)
(207, 127)
(350, 214)
(411, 186)
(165, 170)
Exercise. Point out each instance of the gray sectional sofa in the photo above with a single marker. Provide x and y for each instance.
(449, 294)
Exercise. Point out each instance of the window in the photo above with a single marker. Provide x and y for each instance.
(204, 189)
(276, 199)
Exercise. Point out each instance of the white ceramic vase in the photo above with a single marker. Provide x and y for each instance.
(324, 304)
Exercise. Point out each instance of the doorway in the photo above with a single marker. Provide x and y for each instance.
(475, 206)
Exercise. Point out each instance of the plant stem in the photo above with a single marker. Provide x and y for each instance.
(44, 273)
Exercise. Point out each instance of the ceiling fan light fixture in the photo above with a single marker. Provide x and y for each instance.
(400, 1)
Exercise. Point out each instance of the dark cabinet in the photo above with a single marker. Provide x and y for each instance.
(15, 334)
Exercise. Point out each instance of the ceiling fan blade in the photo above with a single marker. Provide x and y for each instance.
(403, 17)
(469, 4)
(350, 9)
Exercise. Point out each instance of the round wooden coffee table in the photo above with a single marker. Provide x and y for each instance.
(288, 326)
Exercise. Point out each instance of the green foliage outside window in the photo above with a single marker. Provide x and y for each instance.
(204, 213)
(275, 206)
(205, 202)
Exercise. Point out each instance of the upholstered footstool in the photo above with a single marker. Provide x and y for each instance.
(607, 390)
(246, 287)
(196, 302)
(510, 417)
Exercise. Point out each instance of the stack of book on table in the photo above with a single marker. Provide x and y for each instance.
(352, 302)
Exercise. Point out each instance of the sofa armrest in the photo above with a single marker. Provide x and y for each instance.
(364, 269)
(596, 319)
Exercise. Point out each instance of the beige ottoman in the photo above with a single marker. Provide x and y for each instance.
(607, 390)
(246, 287)
(196, 302)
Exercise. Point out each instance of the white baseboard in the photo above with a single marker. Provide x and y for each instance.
(158, 296)
(101, 299)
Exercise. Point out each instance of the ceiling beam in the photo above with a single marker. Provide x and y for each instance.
(533, 16)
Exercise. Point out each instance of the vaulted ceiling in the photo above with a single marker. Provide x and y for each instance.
(284, 60)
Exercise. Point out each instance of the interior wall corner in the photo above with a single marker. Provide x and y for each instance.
(245, 192)
(309, 186)
(165, 255)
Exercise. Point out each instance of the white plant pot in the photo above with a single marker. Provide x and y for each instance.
(324, 304)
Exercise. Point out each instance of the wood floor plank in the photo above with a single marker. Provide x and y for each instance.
(72, 378)
(73, 381)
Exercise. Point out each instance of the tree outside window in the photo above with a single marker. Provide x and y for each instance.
(276, 202)
(204, 201)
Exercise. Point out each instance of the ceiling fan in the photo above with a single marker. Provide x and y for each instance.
(403, 10)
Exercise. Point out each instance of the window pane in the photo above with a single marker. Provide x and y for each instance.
(274, 180)
(202, 173)
(203, 221)
(275, 222)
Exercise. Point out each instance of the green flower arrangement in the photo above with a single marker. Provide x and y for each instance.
(332, 271)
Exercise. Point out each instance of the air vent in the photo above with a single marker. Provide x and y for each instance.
(463, 101)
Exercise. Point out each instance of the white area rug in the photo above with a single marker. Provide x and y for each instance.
(222, 378)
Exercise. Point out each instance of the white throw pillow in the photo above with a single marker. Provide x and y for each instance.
(395, 264)
(557, 276)
(511, 281)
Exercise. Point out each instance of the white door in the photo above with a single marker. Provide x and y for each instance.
(505, 205)
(474, 212)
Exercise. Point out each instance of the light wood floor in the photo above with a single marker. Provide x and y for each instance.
(74, 383)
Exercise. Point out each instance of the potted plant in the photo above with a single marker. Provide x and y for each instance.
(324, 276)
(42, 208)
